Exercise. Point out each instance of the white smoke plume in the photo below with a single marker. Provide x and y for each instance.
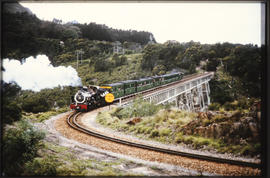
(38, 73)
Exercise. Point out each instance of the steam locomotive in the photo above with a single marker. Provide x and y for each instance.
(88, 98)
(91, 97)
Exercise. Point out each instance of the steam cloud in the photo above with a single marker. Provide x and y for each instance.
(38, 73)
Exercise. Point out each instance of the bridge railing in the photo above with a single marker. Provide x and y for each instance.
(167, 94)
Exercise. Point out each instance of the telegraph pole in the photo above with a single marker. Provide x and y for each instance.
(79, 52)
(77, 59)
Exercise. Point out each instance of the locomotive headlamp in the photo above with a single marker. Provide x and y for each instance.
(79, 98)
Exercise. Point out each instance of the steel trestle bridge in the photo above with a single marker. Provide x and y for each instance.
(192, 93)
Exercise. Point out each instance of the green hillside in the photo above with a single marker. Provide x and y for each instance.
(129, 70)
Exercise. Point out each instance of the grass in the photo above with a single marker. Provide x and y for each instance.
(160, 124)
(60, 161)
(42, 116)
(165, 125)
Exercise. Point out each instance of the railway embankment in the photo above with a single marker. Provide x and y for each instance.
(235, 133)
(202, 167)
(69, 155)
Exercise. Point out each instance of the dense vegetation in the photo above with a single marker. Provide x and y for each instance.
(236, 85)
(25, 35)
(11, 110)
(240, 65)
(20, 145)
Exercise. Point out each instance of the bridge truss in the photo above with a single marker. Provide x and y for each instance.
(192, 95)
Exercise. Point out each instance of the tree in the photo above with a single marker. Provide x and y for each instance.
(159, 70)
(220, 91)
(168, 54)
(69, 33)
(11, 110)
(101, 64)
(35, 104)
(245, 62)
(192, 68)
(118, 61)
(150, 56)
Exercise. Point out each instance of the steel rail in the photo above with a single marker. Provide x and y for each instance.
(71, 120)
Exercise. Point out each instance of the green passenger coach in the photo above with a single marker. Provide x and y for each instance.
(128, 87)
(117, 89)
(144, 84)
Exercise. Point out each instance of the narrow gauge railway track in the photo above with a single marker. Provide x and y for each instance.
(72, 122)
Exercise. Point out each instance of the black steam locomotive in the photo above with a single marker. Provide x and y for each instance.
(88, 98)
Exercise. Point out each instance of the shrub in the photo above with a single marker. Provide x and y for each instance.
(61, 103)
(206, 122)
(35, 104)
(11, 112)
(154, 133)
(219, 118)
(139, 108)
(243, 103)
(141, 129)
(165, 132)
(148, 130)
(228, 106)
(20, 144)
(188, 140)
(41, 167)
(179, 137)
(214, 106)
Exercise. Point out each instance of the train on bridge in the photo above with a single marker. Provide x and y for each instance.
(92, 97)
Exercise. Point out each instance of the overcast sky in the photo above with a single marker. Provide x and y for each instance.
(183, 22)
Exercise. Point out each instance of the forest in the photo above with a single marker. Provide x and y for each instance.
(25, 35)
(237, 69)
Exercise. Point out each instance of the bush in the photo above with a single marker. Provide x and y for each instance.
(159, 70)
(214, 106)
(154, 133)
(206, 122)
(179, 137)
(61, 103)
(20, 144)
(65, 58)
(139, 108)
(35, 104)
(11, 109)
(41, 167)
(11, 112)
(165, 132)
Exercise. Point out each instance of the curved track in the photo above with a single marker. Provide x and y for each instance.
(72, 122)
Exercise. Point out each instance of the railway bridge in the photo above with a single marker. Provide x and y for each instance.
(191, 93)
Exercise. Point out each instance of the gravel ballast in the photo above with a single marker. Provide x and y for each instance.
(195, 167)
(129, 164)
